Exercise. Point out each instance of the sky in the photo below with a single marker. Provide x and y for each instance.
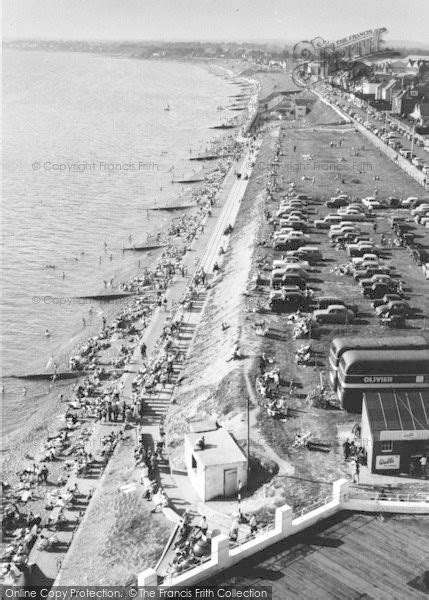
(288, 20)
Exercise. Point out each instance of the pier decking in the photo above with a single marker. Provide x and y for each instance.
(348, 556)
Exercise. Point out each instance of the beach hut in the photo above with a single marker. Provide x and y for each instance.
(219, 468)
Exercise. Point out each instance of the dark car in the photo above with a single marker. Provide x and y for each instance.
(377, 290)
(290, 244)
(337, 202)
(379, 278)
(369, 272)
(385, 300)
(288, 280)
(288, 301)
(394, 307)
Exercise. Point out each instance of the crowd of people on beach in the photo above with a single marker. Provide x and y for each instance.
(100, 397)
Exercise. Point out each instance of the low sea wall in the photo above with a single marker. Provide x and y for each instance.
(343, 498)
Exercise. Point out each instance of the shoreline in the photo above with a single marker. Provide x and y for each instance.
(26, 445)
(45, 401)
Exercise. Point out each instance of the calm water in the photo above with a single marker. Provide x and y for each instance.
(87, 145)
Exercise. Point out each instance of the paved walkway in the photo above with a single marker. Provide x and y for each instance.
(203, 254)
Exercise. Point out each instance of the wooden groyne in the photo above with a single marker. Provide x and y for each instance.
(225, 126)
(146, 247)
(105, 297)
(196, 179)
(174, 207)
(50, 376)
(206, 156)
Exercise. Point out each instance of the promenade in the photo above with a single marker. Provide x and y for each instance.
(203, 254)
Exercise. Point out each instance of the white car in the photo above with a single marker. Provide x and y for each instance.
(408, 201)
(371, 203)
(291, 260)
(420, 209)
(358, 260)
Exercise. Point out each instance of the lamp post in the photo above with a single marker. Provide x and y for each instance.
(412, 139)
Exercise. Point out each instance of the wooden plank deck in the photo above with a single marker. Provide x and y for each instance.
(350, 556)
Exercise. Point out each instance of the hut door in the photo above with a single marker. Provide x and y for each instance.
(229, 482)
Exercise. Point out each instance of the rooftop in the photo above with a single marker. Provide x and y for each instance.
(398, 410)
(220, 448)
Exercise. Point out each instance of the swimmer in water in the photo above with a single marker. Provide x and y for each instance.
(2, 389)
(24, 391)
(47, 333)
(90, 310)
(63, 275)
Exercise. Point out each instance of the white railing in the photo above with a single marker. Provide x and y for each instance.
(388, 497)
(314, 506)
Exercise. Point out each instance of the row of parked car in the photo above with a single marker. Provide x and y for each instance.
(374, 276)
(389, 134)
(290, 274)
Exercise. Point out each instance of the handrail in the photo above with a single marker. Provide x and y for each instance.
(315, 505)
(390, 497)
(250, 537)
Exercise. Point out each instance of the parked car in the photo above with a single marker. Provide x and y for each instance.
(378, 278)
(372, 203)
(370, 258)
(325, 301)
(368, 272)
(310, 253)
(377, 290)
(407, 203)
(293, 279)
(398, 307)
(337, 201)
(285, 301)
(385, 300)
(327, 221)
(335, 313)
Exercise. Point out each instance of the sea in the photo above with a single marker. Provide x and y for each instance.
(87, 147)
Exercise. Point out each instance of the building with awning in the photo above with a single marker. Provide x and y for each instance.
(395, 430)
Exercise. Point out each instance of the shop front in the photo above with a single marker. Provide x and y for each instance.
(395, 432)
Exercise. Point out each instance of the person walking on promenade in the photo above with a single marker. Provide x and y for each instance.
(203, 526)
(253, 524)
(233, 532)
(143, 349)
(357, 471)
